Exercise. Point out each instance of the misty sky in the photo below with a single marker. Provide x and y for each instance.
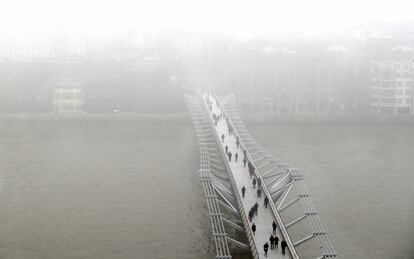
(236, 17)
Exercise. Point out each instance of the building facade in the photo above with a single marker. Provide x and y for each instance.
(392, 86)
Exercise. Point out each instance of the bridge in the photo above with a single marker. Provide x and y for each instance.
(223, 178)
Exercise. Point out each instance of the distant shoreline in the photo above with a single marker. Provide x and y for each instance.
(184, 116)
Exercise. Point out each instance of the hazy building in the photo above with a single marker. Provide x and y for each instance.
(68, 96)
(41, 46)
(392, 86)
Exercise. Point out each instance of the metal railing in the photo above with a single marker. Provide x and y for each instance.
(219, 233)
(265, 164)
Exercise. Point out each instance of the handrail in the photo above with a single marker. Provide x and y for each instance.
(237, 195)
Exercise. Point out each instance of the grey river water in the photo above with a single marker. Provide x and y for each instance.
(106, 187)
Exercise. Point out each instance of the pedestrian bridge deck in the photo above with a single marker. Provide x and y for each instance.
(242, 178)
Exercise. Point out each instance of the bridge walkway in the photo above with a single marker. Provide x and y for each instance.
(265, 217)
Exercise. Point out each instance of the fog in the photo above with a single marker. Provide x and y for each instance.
(95, 118)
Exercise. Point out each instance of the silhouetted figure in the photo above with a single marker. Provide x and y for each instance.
(226, 148)
(229, 154)
(254, 229)
(272, 241)
(256, 208)
(259, 193)
(254, 182)
(274, 227)
(236, 156)
(237, 142)
(243, 191)
(265, 248)
(276, 240)
(283, 244)
(245, 153)
(259, 183)
(222, 138)
(251, 212)
(244, 162)
(266, 202)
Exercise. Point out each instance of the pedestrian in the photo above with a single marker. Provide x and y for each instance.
(251, 214)
(226, 148)
(276, 240)
(256, 208)
(259, 183)
(237, 142)
(254, 182)
(244, 162)
(229, 154)
(283, 244)
(259, 193)
(245, 153)
(266, 202)
(236, 156)
(274, 227)
(265, 248)
(243, 191)
(254, 229)
(272, 242)
(222, 138)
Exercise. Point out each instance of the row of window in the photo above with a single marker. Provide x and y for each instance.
(393, 100)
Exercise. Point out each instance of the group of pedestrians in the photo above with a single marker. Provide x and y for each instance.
(274, 242)
(273, 239)
(254, 210)
(217, 118)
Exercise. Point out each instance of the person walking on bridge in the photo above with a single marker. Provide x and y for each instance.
(259, 183)
(276, 240)
(238, 142)
(236, 156)
(243, 191)
(254, 229)
(226, 148)
(283, 244)
(272, 242)
(222, 138)
(244, 162)
(274, 227)
(254, 182)
(229, 154)
(266, 202)
(256, 208)
(251, 212)
(266, 248)
(259, 192)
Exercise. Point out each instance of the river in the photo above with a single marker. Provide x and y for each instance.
(128, 187)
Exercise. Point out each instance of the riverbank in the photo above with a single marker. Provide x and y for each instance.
(184, 116)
